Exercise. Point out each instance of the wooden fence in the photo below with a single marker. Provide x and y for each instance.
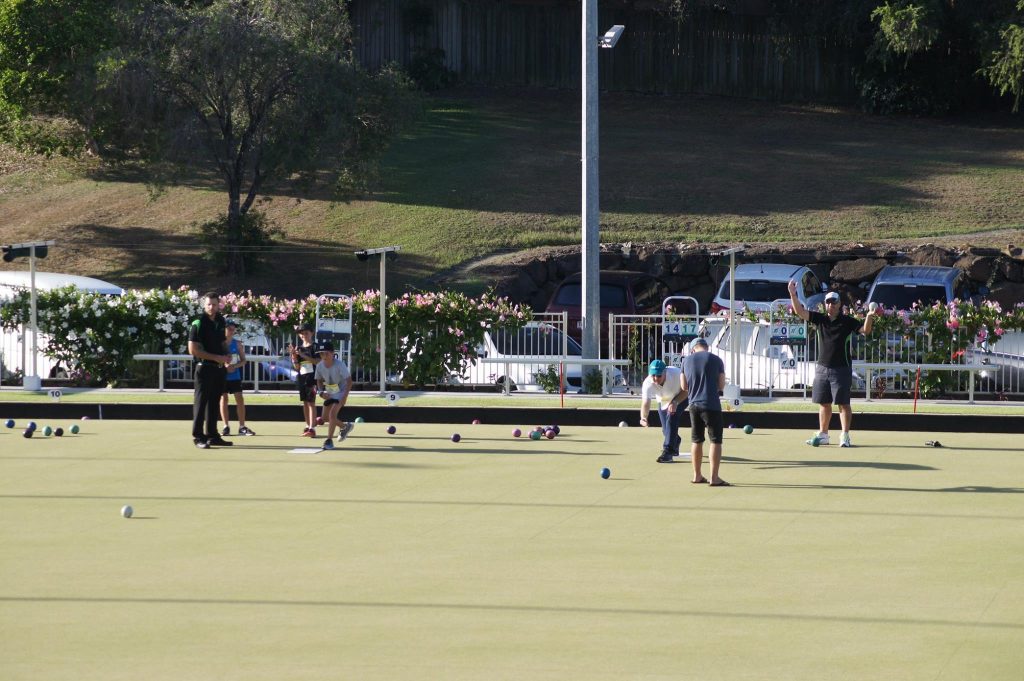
(531, 43)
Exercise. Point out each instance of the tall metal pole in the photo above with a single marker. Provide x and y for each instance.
(591, 308)
(734, 344)
(33, 383)
(383, 320)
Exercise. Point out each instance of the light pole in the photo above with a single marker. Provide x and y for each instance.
(734, 344)
(32, 250)
(591, 228)
(386, 253)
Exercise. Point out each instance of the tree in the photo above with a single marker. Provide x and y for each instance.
(1006, 65)
(933, 51)
(266, 89)
(50, 54)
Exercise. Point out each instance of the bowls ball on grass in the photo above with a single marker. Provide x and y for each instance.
(74, 429)
(456, 437)
(9, 423)
(549, 434)
(517, 433)
(27, 432)
(58, 432)
(748, 429)
(606, 473)
(392, 430)
(47, 431)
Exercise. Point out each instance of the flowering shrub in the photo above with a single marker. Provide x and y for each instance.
(96, 335)
(430, 335)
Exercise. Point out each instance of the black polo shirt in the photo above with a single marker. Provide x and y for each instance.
(209, 333)
(834, 338)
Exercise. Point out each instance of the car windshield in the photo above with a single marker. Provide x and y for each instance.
(533, 340)
(903, 296)
(571, 295)
(757, 289)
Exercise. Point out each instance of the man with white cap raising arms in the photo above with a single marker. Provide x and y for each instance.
(833, 374)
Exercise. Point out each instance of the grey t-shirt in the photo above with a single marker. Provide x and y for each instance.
(334, 377)
(702, 370)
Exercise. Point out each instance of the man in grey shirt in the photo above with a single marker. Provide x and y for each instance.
(703, 379)
(333, 383)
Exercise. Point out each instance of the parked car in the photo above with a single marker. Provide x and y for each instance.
(535, 340)
(758, 285)
(622, 292)
(900, 286)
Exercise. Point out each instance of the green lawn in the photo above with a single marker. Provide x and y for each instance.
(412, 557)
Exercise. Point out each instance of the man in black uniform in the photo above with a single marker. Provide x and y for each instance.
(206, 342)
(833, 373)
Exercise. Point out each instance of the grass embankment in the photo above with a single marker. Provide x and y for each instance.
(479, 175)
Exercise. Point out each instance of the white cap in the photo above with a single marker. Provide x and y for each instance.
(831, 295)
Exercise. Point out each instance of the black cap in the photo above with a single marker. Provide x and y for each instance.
(326, 346)
(304, 327)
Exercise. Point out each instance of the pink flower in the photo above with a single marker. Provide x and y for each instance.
(998, 331)
(953, 323)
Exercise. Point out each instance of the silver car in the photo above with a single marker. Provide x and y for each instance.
(758, 285)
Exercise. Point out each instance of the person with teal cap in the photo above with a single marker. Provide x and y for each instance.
(664, 383)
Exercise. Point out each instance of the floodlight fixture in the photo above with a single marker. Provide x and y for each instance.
(611, 37)
(36, 249)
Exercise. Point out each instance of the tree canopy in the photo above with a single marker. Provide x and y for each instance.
(259, 89)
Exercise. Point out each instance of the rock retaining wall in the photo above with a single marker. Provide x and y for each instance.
(696, 271)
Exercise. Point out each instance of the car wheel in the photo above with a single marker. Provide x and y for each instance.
(511, 384)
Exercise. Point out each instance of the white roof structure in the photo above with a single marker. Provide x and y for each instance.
(48, 281)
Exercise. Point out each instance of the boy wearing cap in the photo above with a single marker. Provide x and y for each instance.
(833, 373)
(703, 379)
(333, 382)
(666, 384)
(304, 359)
(233, 382)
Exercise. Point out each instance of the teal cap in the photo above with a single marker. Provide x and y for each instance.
(657, 368)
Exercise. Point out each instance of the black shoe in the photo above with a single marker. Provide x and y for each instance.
(666, 457)
(226, 430)
(201, 444)
(218, 441)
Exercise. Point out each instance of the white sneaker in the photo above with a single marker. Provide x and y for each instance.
(822, 439)
(844, 441)
(345, 430)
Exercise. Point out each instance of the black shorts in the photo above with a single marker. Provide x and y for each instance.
(831, 386)
(307, 387)
(330, 400)
(701, 418)
(232, 386)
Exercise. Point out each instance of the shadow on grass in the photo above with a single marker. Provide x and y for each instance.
(147, 257)
(661, 508)
(970, 623)
(880, 465)
(972, 489)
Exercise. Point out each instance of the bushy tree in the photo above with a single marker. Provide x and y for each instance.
(51, 56)
(265, 89)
